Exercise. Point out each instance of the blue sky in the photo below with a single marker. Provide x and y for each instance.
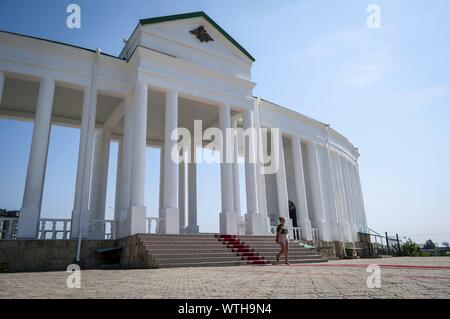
(386, 89)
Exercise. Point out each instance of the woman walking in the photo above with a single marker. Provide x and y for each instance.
(282, 239)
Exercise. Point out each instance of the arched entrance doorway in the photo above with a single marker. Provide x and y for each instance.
(293, 213)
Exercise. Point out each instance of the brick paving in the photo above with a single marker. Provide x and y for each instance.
(400, 278)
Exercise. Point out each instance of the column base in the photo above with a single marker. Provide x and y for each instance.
(192, 229)
(257, 224)
(347, 230)
(75, 226)
(228, 223)
(334, 230)
(324, 230)
(355, 231)
(99, 231)
(306, 229)
(135, 222)
(171, 221)
(289, 224)
(28, 223)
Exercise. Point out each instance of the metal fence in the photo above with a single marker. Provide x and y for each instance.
(378, 245)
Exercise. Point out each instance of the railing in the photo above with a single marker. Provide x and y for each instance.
(241, 228)
(315, 233)
(296, 233)
(8, 227)
(273, 230)
(53, 226)
(102, 229)
(150, 221)
(377, 244)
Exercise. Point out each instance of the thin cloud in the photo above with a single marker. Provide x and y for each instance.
(427, 96)
(364, 56)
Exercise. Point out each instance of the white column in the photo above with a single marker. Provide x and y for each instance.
(361, 197)
(228, 222)
(330, 186)
(170, 212)
(2, 84)
(161, 178)
(302, 206)
(256, 222)
(125, 167)
(136, 213)
(357, 197)
(261, 178)
(182, 195)
(345, 220)
(351, 200)
(84, 168)
(34, 185)
(192, 227)
(118, 188)
(316, 189)
(100, 181)
(283, 202)
(236, 187)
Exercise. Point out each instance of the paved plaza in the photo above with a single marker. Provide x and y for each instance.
(400, 278)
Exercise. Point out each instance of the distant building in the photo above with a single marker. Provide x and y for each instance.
(8, 223)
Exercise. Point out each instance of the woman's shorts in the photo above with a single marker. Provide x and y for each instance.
(283, 240)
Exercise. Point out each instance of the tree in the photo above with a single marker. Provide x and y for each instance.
(429, 245)
(445, 244)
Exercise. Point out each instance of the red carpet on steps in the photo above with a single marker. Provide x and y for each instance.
(242, 250)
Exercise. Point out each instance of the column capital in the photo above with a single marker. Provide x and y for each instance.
(296, 139)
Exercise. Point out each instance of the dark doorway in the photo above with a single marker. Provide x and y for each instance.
(293, 214)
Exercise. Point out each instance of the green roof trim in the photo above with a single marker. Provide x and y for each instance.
(197, 15)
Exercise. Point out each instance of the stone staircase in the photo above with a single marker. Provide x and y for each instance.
(242, 249)
(266, 247)
(202, 250)
(169, 251)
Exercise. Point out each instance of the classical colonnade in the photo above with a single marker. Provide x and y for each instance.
(317, 171)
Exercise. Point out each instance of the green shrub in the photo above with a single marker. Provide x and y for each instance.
(410, 248)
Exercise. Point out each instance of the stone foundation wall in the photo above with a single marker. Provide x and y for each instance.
(54, 255)
(133, 253)
(326, 249)
(334, 249)
(46, 255)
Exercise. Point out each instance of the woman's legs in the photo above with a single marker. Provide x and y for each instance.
(282, 245)
(286, 250)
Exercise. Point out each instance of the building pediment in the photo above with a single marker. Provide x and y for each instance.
(194, 37)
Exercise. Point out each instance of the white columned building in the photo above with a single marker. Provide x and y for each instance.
(173, 72)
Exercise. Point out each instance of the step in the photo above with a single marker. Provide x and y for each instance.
(206, 264)
(290, 249)
(272, 258)
(185, 251)
(273, 247)
(300, 261)
(291, 252)
(178, 235)
(171, 239)
(166, 255)
(182, 244)
(193, 259)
